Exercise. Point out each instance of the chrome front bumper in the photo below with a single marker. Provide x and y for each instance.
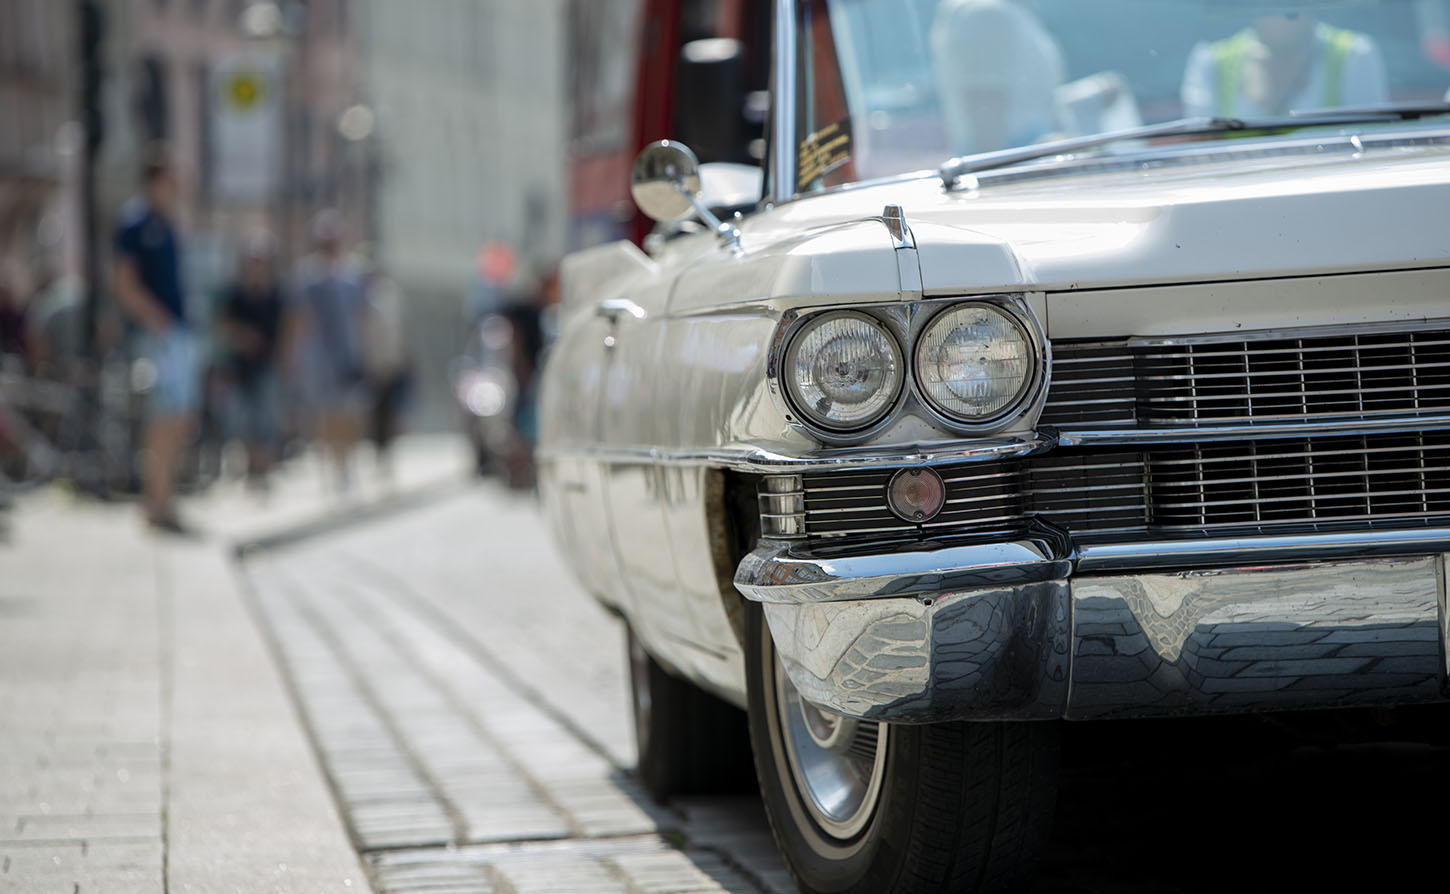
(1030, 629)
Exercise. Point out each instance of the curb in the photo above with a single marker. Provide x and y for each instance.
(348, 516)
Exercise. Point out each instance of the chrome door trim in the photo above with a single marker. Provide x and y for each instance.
(1239, 551)
(612, 309)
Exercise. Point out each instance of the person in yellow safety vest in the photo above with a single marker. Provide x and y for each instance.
(1283, 63)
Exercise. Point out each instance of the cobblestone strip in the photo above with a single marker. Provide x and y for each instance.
(386, 803)
(481, 788)
(591, 791)
(415, 700)
(632, 865)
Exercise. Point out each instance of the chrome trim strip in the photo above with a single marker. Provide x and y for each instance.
(1239, 551)
(756, 459)
(1083, 437)
(778, 572)
(783, 572)
(1330, 331)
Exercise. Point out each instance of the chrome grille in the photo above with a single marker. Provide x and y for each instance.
(1249, 381)
(1332, 480)
(982, 497)
(1092, 384)
(1281, 485)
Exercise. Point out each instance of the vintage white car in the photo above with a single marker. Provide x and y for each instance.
(1079, 361)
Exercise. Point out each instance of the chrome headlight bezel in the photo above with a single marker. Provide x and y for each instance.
(825, 428)
(911, 411)
(1026, 391)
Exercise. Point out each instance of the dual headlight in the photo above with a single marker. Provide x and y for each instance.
(973, 362)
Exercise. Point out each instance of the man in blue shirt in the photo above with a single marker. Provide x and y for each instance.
(147, 283)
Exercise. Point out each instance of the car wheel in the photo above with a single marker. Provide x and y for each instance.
(858, 806)
(690, 742)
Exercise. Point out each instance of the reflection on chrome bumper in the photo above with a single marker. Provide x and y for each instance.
(1009, 631)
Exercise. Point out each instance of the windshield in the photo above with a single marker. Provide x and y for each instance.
(886, 87)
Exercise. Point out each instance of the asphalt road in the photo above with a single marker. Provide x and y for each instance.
(470, 706)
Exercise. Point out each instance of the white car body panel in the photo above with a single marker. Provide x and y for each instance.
(638, 412)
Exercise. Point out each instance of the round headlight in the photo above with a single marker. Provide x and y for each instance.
(973, 362)
(843, 371)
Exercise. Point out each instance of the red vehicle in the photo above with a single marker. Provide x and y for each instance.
(643, 70)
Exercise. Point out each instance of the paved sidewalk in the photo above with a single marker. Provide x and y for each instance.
(149, 742)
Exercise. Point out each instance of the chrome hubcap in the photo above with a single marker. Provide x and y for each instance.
(837, 762)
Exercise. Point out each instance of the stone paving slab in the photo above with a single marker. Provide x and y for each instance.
(81, 670)
(148, 742)
(248, 804)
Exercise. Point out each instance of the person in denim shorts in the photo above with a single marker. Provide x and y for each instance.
(147, 282)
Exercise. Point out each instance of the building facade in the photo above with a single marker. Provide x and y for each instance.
(471, 143)
(37, 148)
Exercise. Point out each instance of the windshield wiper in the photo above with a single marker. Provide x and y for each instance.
(1404, 111)
(955, 168)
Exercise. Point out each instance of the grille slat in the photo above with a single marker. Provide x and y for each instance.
(1178, 377)
(1299, 498)
(1297, 394)
(1249, 381)
(1304, 484)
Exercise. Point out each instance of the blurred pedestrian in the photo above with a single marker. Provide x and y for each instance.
(13, 339)
(251, 324)
(55, 323)
(148, 285)
(331, 307)
(386, 360)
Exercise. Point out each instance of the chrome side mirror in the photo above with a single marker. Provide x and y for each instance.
(665, 180)
(665, 184)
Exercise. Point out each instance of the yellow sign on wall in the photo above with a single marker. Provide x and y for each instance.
(243, 89)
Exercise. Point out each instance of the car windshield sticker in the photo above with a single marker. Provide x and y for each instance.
(823, 152)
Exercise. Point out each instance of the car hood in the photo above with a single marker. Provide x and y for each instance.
(1211, 221)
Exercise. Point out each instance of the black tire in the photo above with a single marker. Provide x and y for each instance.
(961, 806)
(690, 742)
